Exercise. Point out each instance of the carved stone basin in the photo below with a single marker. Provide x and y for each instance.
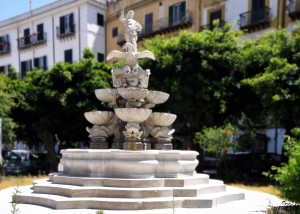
(99, 117)
(162, 119)
(133, 114)
(157, 97)
(105, 94)
(133, 94)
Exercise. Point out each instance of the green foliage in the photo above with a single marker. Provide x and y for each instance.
(217, 140)
(289, 174)
(200, 71)
(7, 96)
(99, 212)
(272, 74)
(15, 201)
(57, 99)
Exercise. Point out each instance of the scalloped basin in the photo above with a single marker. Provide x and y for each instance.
(105, 94)
(133, 114)
(162, 119)
(99, 117)
(157, 97)
(133, 94)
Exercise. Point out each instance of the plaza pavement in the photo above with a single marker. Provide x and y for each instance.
(255, 202)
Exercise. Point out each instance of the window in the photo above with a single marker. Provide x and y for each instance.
(69, 56)
(115, 32)
(4, 69)
(216, 15)
(149, 23)
(25, 67)
(100, 57)
(40, 62)
(40, 32)
(176, 13)
(100, 19)
(4, 43)
(258, 11)
(26, 36)
(66, 24)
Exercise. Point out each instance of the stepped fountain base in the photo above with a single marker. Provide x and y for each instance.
(128, 180)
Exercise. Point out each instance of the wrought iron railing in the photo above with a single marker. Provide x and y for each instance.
(211, 26)
(32, 39)
(161, 25)
(255, 17)
(4, 47)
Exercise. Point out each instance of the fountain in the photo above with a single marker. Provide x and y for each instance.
(132, 172)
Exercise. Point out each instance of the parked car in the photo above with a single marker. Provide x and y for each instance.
(22, 162)
(252, 164)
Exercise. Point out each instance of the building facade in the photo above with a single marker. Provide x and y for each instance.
(57, 32)
(169, 17)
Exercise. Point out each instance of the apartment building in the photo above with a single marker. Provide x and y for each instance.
(57, 32)
(169, 17)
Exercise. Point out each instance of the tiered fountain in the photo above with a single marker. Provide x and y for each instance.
(130, 173)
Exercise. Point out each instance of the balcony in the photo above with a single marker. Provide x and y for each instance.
(63, 32)
(253, 19)
(4, 48)
(293, 9)
(162, 26)
(211, 26)
(31, 40)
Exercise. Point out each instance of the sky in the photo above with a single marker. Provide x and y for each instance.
(11, 8)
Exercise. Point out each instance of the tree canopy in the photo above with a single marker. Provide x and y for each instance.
(201, 73)
(57, 99)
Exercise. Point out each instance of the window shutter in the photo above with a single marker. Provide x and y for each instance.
(45, 63)
(23, 68)
(62, 25)
(100, 19)
(170, 15)
(40, 31)
(71, 23)
(182, 10)
(36, 63)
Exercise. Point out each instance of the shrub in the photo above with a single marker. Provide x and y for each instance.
(288, 175)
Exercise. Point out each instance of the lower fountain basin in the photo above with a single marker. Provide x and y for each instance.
(162, 119)
(128, 164)
(99, 117)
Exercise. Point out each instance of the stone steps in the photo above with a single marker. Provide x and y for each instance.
(66, 192)
(47, 187)
(60, 178)
(62, 202)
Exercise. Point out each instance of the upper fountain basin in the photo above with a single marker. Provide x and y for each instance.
(105, 94)
(162, 119)
(133, 94)
(133, 114)
(99, 117)
(157, 97)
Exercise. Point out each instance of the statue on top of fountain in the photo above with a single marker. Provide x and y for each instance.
(132, 75)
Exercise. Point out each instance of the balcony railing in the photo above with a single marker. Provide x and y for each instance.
(4, 47)
(255, 18)
(293, 9)
(65, 32)
(32, 40)
(162, 26)
(211, 26)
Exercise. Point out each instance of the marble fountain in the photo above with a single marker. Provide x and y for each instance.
(137, 170)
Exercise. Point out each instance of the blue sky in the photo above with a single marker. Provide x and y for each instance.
(11, 8)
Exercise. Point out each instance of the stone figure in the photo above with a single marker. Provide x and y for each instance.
(131, 27)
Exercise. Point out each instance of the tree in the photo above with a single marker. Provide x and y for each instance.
(7, 96)
(57, 99)
(288, 175)
(201, 72)
(272, 73)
